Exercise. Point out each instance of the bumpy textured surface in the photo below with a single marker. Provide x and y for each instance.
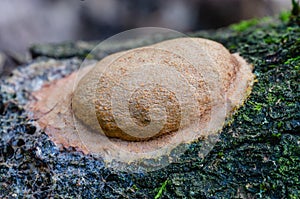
(257, 155)
(206, 65)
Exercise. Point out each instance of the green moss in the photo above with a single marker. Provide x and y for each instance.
(220, 154)
(293, 61)
(285, 16)
(161, 189)
(261, 132)
(244, 25)
(256, 106)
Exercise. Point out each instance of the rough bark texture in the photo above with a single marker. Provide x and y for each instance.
(258, 155)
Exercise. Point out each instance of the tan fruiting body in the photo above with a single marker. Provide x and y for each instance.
(144, 102)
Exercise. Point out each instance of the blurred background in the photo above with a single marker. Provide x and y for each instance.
(25, 22)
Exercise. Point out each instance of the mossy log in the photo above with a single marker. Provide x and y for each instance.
(257, 156)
